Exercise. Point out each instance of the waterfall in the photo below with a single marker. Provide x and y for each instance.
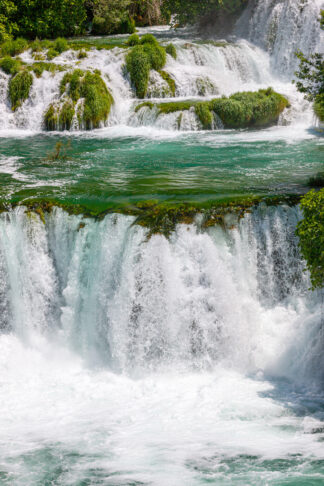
(235, 296)
(282, 27)
(263, 54)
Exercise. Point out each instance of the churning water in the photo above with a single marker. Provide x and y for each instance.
(193, 360)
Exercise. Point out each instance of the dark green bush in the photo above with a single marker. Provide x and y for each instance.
(138, 66)
(10, 65)
(133, 40)
(51, 118)
(66, 116)
(319, 106)
(311, 235)
(19, 88)
(171, 50)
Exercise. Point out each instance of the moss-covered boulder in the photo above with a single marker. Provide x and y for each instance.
(19, 88)
(10, 65)
(84, 95)
(241, 110)
(141, 59)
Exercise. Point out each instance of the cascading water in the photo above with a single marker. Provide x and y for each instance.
(135, 359)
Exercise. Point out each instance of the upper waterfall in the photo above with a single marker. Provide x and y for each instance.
(282, 27)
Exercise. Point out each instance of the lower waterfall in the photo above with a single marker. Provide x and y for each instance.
(213, 331)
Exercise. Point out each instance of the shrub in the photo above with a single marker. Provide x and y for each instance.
(60, 45)
(138, 66)
(319, 106)
(128, 26)
(133, 40)
(95, 98)
(51, 118)
(51, 53)
(19, 88)
(241, 110)
(171, 50)
(311, 235)
(66, 116)
(14, 47)
(149, 39)
(142, 58)
(317, 180)
(10, 65)
(205, 115)
(156, 55)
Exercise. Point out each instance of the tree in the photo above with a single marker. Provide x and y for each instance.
(7, 25)
(311, 235)
(192, 11)
(310, 77)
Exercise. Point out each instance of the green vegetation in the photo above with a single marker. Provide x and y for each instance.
(39, 67)
(133, 40)
(10, 65)
(171, 82)
(241, 110)
(317, 181)
(138, 65)
(141, 59)
(19, 88)
(311, 235)
(310, 78)
(192, 11)
(91, 91)
(13, 47)
(171, 50)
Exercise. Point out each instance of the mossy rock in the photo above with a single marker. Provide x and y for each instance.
(19, 88)
(133, 40)
(171, 82)
(241, 110)
(85, 91)
(171, 50)
(141, 59)
(13, 47)
(10, 65)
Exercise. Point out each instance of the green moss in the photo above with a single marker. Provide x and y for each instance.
(171, 50)
(138, 66)
(319, 107)
(60, 45)
(147, 104)
(39, 67)
(82, 54)
(133, 40)
(51, 118)
(241, 110)
(51, 53)
(149, 39)
(10, 65)
(171, 82)
(205, 115)
(141, 59)
(95, 98)
(66, 116)
(19, 88)
(156, 55)
(14, 47)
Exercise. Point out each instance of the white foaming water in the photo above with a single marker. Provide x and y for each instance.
(130, 359)
(282, 27)
(275, 30)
